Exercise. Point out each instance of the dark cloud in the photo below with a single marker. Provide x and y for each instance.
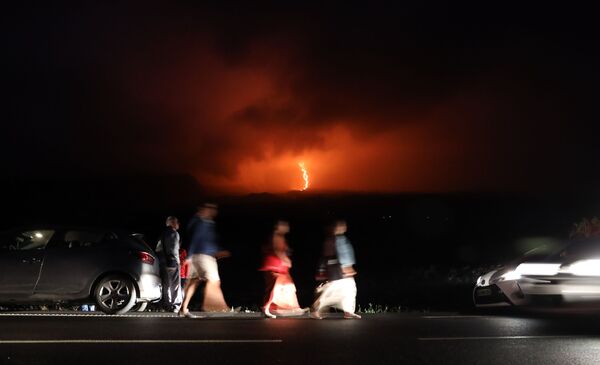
(439, 96)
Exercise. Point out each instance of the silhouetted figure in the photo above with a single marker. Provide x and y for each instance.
(280, 291)
(168, 254)
(203, 253)
(339, 291)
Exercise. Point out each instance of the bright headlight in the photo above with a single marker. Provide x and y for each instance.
(585, 268)
(538, 269)
(511, 275)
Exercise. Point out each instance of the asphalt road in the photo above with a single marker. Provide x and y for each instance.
(248, 339)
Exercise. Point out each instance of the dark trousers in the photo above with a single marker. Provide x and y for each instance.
(172, 294)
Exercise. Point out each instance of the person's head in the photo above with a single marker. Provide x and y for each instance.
(282, 227)
(207, 211)
(172, 222)
(340, 227)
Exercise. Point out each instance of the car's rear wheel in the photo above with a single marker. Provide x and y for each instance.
(139, 307)
(115, 294)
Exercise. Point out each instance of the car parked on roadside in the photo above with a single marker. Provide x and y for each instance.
(570, 274)
(56, 264)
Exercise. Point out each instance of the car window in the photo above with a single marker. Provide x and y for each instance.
(84, 238)
(27, 240)
(139, 238)
(589, 248)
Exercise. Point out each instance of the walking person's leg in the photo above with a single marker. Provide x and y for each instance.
(349, 301)
(285, 298)
(214, 301)
(190, 288)
(317, 307)
(191, 284)
(270, 281)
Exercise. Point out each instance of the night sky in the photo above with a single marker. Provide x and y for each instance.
(481, 96)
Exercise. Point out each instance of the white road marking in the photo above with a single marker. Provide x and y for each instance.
(101, 341)
(477, 338)
(454, 317)
(129, 315)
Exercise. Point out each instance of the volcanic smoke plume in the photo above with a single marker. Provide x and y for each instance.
(376, 101)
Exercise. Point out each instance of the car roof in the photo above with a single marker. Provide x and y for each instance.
(62, 227)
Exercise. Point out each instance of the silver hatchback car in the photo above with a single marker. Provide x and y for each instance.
(51, 264)
(568, 275)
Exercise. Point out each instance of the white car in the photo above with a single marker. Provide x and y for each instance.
(571, 274)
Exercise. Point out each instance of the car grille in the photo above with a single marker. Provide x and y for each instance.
(489, 295)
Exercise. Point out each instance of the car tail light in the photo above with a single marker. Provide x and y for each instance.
(146, 258)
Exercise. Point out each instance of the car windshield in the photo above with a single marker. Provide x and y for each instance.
(31, 240)
(578, 249)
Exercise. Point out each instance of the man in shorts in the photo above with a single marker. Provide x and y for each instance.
(202, 256)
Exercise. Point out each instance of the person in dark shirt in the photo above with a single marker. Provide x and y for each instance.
(168, 254)
(339, 291)
(203, 253)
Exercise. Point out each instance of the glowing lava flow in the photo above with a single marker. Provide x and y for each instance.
(304, 175)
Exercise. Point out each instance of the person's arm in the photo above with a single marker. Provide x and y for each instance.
(350, 253)
(345, 252)
(208, 237)
(222, 254)
(345, 256)
(170, 246)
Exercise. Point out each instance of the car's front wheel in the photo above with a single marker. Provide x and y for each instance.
(115, 294)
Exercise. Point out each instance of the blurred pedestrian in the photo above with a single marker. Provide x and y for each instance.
(203, 253)
(167, 250)
(339, 291)
(280, 291)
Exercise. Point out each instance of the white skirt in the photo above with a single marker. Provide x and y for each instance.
(340, 294)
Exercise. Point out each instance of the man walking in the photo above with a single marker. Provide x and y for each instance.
(340, 289)
(168, 254)
(203, 253)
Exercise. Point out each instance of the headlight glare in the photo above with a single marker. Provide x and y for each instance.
(585, 268)
(510, 275)
(541, 269)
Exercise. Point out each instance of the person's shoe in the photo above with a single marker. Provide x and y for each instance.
(269, 314)
(188, 314)
(298, 311)
(351, 316)
(315, 315)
